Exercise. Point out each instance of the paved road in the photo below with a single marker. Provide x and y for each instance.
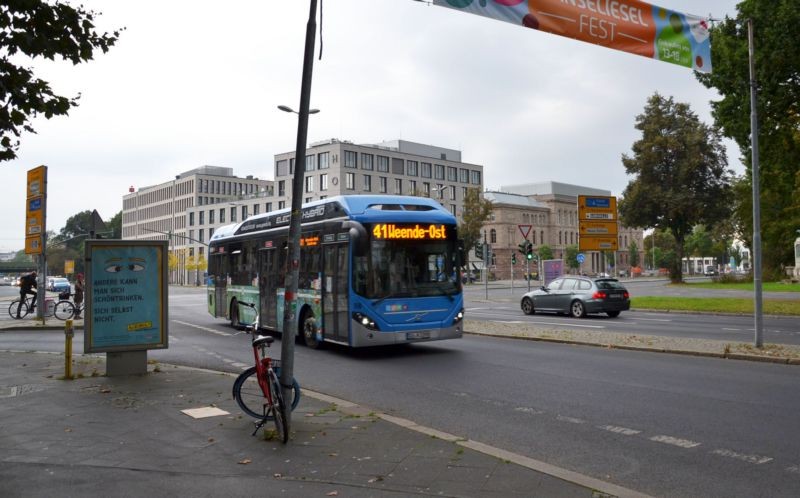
(666, 425)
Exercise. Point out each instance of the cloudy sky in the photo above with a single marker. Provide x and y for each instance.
(197, 82)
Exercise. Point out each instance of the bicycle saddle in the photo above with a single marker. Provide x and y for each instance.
(263, 339)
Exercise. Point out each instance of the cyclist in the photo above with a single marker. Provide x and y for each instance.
(78, 294)
(26, 284)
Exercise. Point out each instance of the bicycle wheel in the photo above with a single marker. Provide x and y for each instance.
(64, 310)
(278, 407)
(249, 397)
(23, 308)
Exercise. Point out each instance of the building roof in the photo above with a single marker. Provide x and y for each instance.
(512, 199)
(553, 188)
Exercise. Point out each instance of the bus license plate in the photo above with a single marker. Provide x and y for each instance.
(418, 335)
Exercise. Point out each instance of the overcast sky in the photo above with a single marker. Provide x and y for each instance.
(197, 82)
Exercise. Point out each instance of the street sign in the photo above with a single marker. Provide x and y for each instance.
(604, 228)
(598, 244)
(580, 257)
(33, 244)
(525, 230)
(35, 210)
(69, 266)
(592, 207)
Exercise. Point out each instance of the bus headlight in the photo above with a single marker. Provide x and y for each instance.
(459, 316)
(365, 321)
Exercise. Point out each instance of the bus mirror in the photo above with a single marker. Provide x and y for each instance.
(358, 237)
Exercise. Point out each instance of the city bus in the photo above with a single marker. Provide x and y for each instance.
(374, 270)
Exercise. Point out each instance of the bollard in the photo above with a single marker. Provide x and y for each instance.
(69, 332)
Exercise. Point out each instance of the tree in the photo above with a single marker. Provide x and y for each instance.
(633, 254)
(681, 175)
(475, 213)
(114, 225)
(778, 77)
(22, 257)
(37, 29)
(571, 254)
(545, 252)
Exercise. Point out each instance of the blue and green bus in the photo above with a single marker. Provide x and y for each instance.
(374, 270)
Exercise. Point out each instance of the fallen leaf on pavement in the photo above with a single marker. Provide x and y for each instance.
(333, 493)
(245, 461)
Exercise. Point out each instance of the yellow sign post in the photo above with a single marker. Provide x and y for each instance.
(35, 210)
(597, 222)
(69, 266)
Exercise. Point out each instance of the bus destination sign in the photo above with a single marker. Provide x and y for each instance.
(391, 231)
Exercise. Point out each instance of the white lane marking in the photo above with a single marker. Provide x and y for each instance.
(200, 348)
(619, 430)
(227, 360)
(240, 365)
(568, 324)
(528, 410)
(683, 443)
(654, 319)
(213, 331)
(571, 420)
(726, 328)
(756, 459)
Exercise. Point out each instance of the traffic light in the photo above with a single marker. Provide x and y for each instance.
(523, 247)
(529, 251)
(513, 259)
(478, 250)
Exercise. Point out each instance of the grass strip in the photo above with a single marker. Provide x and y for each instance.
(715, 304)
(746, 286)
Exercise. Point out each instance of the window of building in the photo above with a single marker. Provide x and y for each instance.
(453, 209)
(493, 236)
(200, 235)
(311, 162)
(367, 183)
(201, 217)
(281, 188)
(323, 160)
(210, 216)
(244, 213)
(382, 184)
(463, 175)
(398, 186)
(463, 192)
(440, 190)
(256, 208)
(412, 168)
(425, 170)
(281, 204)
(291, 166)
(233, 214)
(452, 190)
(438, 171)
(452, 173)
(366, 161)
(559, 238)
(191, 219)
(412, 187)
(398, 166)
(222, 215)
(426, 189)
(383, 164)
(350, 159)
(268, 207)
(350, 181)
(308, 199)
(323, 181)
(210, 234)
(309, 184)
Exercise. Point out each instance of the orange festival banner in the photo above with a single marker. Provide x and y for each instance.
(631, 26)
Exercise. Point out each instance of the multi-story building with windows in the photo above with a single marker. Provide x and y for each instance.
(171, 210)
(551, 210)
(334, 167)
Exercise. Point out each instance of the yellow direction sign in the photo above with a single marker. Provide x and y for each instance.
(69, 266)
(596, 243)
(37, 181)
(33, 244)
(594, 207)
(602, 228)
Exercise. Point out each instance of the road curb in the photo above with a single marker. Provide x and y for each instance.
(707, 354)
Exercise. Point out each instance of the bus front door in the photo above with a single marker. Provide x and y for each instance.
(270, 279)
(335, 292)
(220, 295)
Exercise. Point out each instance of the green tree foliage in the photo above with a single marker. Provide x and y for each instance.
(680, 174)
(777, 61)
(476, 212)
(633, 254)
(571, 254)
(545, 252)
(37, 29)
(22, 257)
(114, 225)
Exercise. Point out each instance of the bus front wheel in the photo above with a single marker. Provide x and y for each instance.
(309, 331)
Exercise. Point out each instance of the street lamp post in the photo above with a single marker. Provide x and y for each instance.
(293, 249)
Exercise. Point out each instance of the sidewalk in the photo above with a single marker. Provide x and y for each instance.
(128, 436)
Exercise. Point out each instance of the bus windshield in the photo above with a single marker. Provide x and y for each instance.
(405, 268)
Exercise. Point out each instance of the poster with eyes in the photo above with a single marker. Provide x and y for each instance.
(126, 295)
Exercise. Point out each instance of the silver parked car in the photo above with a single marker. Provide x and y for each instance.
(578, 296)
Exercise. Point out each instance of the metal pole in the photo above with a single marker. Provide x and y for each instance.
(293, 249)
(759, 318)
(485, 265)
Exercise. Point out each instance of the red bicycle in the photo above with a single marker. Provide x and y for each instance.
(266, 402)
